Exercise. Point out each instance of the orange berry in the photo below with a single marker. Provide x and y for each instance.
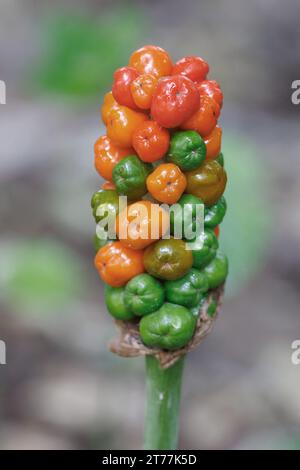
(109, 103)
(117, 264)
(141, 224)
(166, 183)
(150, 141)
(153, 60)
(107, 155)
(121, 125)
(205, 119)
(213, 143)
(142, 89)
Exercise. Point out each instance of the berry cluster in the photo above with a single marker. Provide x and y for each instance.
(162, 145)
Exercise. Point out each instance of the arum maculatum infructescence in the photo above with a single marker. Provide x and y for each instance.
(162, 145)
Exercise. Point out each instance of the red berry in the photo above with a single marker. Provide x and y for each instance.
(174, 100)
(212, 89)
(123, 78)
(193, 67)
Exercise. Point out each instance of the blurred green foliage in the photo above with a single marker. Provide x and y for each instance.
(245, 230)
(39, 276)
(80, 52)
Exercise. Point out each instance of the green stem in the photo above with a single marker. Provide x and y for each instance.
(163, 388)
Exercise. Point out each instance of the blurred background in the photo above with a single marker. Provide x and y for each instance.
(61, 388)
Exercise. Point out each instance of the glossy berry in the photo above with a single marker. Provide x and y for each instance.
(205, 119)
(193, 67)
(170, 327)
(151, 59)
(212, 89)
(150, 141)
(175, 99)
(166, 183)
(121, 90)
(213, 143)
(142, 89)
(107, 155)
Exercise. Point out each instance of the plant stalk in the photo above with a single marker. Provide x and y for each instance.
(163, 389)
